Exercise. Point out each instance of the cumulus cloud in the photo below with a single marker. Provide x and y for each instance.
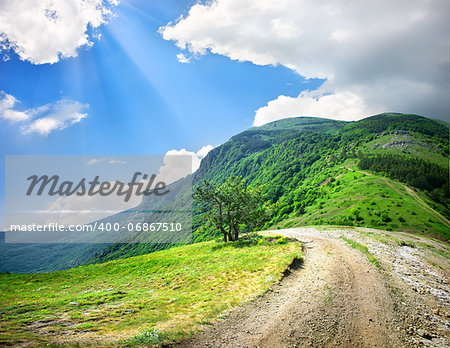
(340, 105)
(42, 119)
(384, 55)
(60, 115)
(7, 112)
(200, 155)
(182, 58)
(46, 31)
(176, 167)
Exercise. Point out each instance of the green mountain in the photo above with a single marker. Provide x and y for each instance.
(388, 171)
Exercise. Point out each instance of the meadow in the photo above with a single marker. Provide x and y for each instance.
(152, 298)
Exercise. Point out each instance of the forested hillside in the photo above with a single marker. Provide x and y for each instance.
(388, 171)
(311, 170)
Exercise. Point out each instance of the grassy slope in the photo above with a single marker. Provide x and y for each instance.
(422, 147)
(172, 290)
(352, 198)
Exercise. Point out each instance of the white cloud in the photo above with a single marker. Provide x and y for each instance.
(46, 31)
(7, 112)
(179, 163)
(62, 114)
(202, 154)
(108, 160)
(386, 55)
(94, 161)
(341, 105)
(42, 119)
(182, 58)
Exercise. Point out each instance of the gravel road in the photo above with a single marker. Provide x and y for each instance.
(337, 298)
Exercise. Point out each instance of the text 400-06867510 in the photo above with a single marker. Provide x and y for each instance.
(142, 226)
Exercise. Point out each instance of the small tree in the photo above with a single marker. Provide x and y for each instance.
(233, 206)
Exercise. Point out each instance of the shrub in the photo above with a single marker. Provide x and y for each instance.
(385, 217)
(149, 336)
(281, 240)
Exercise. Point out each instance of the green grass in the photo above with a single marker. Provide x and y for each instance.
(382, 237)
(149, 336)
(160, 296)
(355, 199)
(363, 249)
(328, 294)
(418, 147)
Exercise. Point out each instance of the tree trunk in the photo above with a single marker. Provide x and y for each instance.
(224, 232)
(230, 235)
(236, 232)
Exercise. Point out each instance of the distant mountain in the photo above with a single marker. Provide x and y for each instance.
(388, 171)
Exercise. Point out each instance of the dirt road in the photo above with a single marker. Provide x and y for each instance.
(337, 298)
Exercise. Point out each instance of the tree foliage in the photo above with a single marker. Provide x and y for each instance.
(232, 206)
(414, 171)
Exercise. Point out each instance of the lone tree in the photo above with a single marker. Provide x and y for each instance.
(232, 206)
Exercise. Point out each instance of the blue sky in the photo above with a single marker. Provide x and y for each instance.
(142, 101)
(245, 63)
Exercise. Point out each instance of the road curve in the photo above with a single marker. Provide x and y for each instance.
(337, 298)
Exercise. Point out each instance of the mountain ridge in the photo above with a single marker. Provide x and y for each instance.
(309, 167)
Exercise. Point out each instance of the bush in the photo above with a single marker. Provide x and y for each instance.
(149, 336)
(385, 217)
(281, 240)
